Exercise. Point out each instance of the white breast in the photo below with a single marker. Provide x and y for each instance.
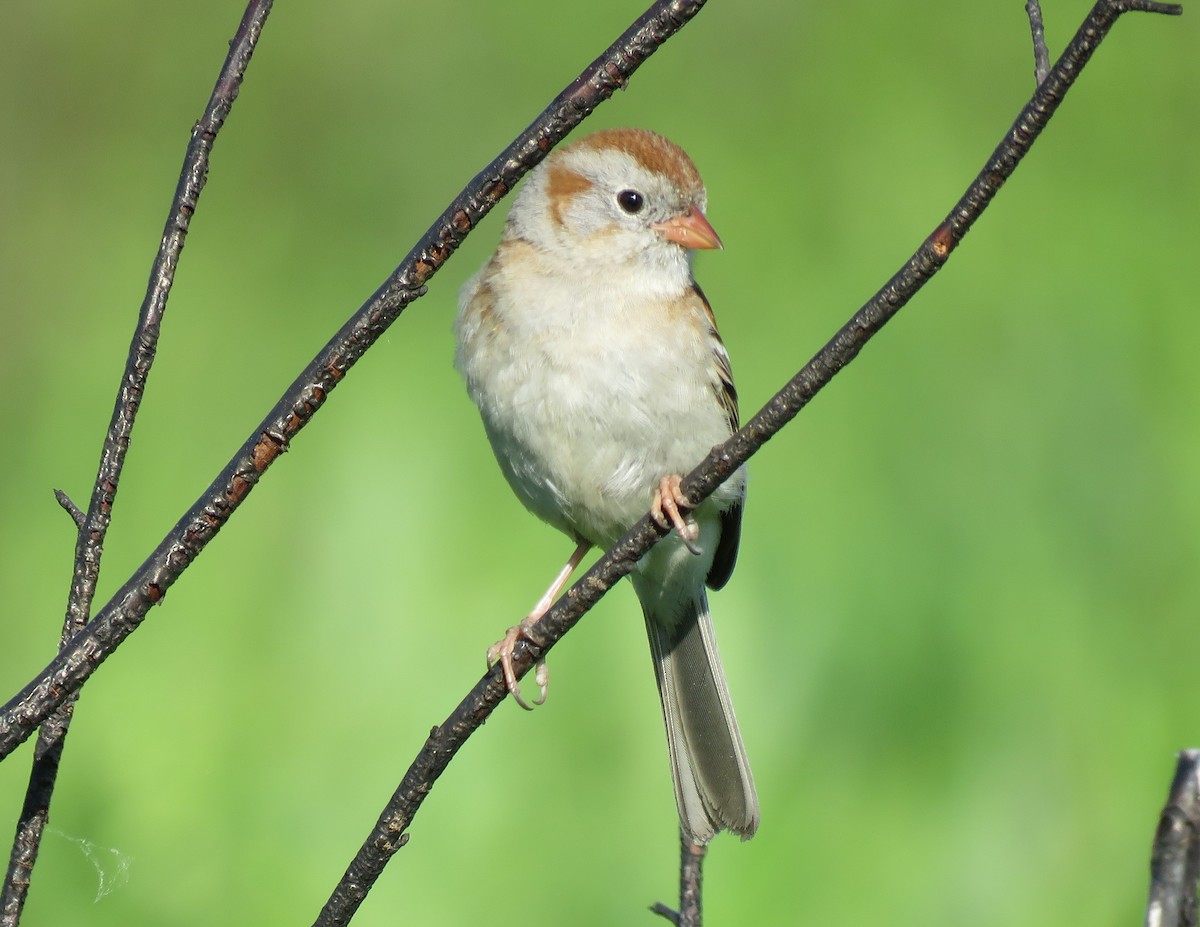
(589, 396)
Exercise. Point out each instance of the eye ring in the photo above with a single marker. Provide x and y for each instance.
(631, 201)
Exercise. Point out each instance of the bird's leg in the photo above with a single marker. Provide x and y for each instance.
(669, 509)
(502, 651)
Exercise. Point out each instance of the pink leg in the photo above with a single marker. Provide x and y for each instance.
(668, 511)
(502, 650)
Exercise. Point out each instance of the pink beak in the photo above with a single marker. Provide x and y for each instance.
(691, 230)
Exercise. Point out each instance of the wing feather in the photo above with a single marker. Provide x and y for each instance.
(726, 394)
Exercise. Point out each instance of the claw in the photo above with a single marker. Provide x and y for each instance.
(502, 651)
(670, 510)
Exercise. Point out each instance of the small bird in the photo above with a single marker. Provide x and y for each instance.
(595, 362)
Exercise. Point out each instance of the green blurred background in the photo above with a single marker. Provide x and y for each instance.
(963, 634)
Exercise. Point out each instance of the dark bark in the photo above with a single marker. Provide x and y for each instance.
(93, 526)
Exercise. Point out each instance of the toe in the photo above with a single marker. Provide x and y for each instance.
(669, 510)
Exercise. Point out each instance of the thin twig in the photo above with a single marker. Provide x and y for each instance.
(666, 911)
(447, 739)
(1175, 859)
(71, 508)
(94, 525)
(1041, 57)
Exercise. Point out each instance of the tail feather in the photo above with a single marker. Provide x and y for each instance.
(714, 788)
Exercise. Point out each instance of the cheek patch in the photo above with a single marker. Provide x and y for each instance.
(562, 184)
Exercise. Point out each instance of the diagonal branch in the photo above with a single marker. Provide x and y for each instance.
(93, 526)
(448, 738)
(128, 608)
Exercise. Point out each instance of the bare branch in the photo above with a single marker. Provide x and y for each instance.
(691, 862)
(70, 508)
(665, 911)
(1175, 859)
(1041, 57)
(94, 525)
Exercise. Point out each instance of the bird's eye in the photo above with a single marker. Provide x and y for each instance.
(631, 201)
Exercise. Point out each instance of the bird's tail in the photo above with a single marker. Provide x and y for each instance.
(714, 789)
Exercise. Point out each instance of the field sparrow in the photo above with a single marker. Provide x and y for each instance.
(595, 362)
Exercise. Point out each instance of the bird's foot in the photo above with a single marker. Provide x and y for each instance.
(502, 652)
(670, 509)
